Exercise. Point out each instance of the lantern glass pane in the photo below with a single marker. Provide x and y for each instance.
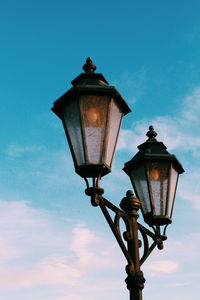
(158, 174)
(94, 111)
(172, 191)
(113, 131)
(139, 180)
(72, 125)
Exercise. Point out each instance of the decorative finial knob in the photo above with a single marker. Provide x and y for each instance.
(130, 204)
(89, 67)
(151, 133)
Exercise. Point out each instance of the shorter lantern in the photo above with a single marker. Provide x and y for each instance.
(91, 112)
(154, 173)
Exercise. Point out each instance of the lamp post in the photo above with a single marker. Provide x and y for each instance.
(91, 113)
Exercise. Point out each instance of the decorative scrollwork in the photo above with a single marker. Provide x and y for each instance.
(120, 215)
(115, 225)
(157, 238)
(146, 249)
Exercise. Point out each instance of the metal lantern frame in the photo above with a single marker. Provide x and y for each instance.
(91, 86)
(155, 153)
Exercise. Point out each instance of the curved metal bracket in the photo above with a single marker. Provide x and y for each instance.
(104, 204)
(130, 205)
(115, 225)
(147, 249)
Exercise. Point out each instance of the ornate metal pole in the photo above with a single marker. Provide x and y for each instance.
(135, 280)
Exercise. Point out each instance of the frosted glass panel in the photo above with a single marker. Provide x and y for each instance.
(158, 180)
(172, 189)
(72, 123)
(138, 178)
(94, 115)
(114, 125)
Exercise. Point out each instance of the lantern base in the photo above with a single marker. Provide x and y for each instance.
(93, 170)
(156, 220)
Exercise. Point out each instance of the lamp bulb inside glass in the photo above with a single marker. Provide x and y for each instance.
(154, 174)
(92, 115)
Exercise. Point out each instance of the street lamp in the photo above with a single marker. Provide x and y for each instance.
(91, 113)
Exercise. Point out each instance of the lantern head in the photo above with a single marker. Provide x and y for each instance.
(91, 113)
(154, 173)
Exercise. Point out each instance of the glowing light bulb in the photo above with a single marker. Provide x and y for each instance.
(154, 174)
(92, 115)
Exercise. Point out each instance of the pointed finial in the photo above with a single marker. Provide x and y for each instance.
(151, 134)
(89, 67)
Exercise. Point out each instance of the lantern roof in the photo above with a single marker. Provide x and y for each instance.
(152, 150)
(89, 83)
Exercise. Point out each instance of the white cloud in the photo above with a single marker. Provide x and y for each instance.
(161, 266)
(14, 151)
(87, 246)
(50, 272)
(47, 168)
(178, 263)
(180, 132)
(189, 187)
(27, 232)
(48, 251)
(80, 263)
(191, 108)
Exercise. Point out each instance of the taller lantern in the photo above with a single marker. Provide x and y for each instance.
(91, 112)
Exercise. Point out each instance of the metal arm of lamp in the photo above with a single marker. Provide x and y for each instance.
(130, 205)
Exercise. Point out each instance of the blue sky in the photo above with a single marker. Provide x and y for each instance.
(53, 244)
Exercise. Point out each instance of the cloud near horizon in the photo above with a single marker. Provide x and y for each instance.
(37, 249)
(52, 252)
